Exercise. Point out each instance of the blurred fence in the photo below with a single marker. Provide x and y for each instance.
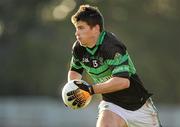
(48, 112)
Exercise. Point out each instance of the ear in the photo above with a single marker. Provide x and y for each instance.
(96, 28)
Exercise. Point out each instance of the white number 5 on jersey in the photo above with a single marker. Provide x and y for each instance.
(95, 63)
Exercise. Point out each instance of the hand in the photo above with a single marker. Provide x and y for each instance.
(84, 86)
(76, 97)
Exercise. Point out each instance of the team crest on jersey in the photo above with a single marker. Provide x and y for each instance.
(117, 55)
(101, 60)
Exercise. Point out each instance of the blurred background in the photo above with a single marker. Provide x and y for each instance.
(36, 37)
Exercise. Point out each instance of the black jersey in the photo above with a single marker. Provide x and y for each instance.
(109, 58)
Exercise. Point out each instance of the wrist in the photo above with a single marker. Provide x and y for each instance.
(91, 90)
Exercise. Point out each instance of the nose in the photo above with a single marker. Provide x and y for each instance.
(76, 33)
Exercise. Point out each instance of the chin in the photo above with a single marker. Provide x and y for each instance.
(82, 44)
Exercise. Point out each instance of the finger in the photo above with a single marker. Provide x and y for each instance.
(75, 102)
(78, 83)
(81, 103)
(71, 93)
(71, 98)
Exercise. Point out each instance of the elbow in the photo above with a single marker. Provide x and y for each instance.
(123, 83)
(126, 83)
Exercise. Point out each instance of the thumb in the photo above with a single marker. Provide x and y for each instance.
(78, 83)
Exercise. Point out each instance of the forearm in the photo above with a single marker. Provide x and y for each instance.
(112, 85)
(73, 75)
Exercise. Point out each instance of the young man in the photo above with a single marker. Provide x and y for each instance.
(125, 102)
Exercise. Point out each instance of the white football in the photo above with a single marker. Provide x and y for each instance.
(81, 98)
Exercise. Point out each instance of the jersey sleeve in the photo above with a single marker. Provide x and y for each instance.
(120, 62)
(75, 65)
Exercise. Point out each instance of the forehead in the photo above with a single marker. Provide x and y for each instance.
(81, 23)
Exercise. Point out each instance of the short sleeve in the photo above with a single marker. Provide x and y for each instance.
(75, 65)
(120, 62)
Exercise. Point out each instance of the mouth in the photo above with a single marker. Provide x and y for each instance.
(80, 41)
(77, 37)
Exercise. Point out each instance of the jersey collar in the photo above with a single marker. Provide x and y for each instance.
(99, 42)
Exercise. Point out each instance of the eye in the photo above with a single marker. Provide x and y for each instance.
(80, 27)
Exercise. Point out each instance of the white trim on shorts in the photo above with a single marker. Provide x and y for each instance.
(146, 116)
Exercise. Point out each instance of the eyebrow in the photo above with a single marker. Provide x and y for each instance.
(79, 26)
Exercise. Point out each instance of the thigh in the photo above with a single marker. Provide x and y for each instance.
(146, 116)
(108, 118)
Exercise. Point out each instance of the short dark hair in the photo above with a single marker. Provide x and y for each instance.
(89, 14)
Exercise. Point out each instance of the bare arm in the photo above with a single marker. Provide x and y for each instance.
(73, 75)
(112, 85)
